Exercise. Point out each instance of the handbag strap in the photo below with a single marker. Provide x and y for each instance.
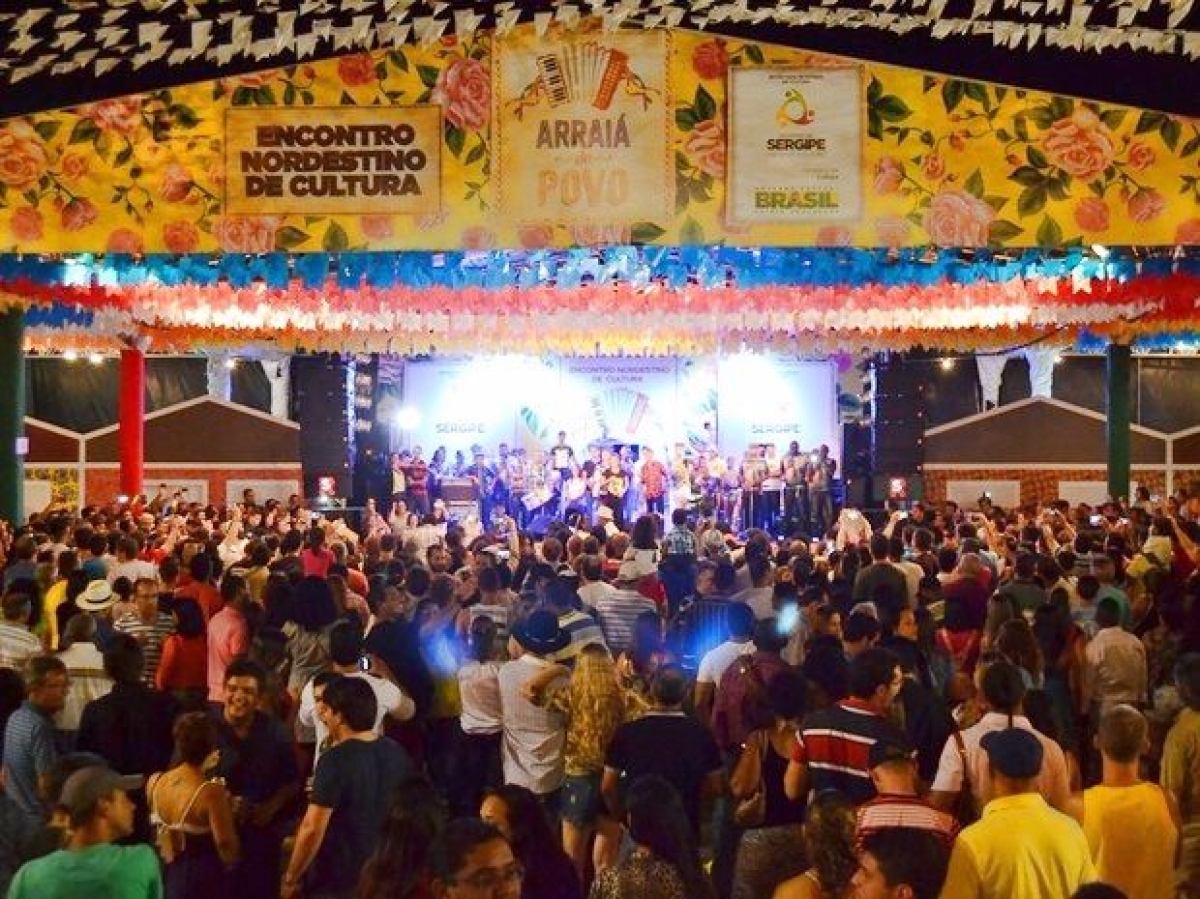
(962, 753)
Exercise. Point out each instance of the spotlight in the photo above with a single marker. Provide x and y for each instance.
(70, 356)
(231, 364)
(96, 359)
(947, 364)
(408, 418)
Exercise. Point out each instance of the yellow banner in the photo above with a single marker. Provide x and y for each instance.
(582, 129)
(940, 160)
(333, 161)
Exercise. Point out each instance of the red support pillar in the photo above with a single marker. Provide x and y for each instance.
(131, 412)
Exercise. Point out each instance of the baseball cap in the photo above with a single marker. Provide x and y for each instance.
(884, 751)
(1014, 752)
(89, 785)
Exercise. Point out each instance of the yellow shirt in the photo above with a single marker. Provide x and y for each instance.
(1181, 764)
(55, 597)
(1020, 848)
(1132, 838)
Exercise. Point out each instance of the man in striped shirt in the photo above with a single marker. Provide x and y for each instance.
(894, 774)
(147, 625)
(17, 644)
(834, 745)
(620, 609)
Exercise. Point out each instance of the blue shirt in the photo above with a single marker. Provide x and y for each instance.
(28, 753)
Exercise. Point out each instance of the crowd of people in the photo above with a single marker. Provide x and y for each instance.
(257, 701)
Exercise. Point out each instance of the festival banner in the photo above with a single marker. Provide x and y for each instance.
(333, 160)
(772, 400)
(582, 128)
(796, 149)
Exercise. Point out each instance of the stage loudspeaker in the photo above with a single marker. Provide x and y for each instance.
(319, 406)
(858, 493)
(899, 416)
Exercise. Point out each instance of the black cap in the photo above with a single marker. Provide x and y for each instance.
(884, 751)
(1014, 752)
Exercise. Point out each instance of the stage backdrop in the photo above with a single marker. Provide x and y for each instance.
(525, 401)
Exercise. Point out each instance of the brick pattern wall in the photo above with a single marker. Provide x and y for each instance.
(104, 484)
(1041, 485)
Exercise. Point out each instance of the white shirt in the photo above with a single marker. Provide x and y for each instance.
(134, 570)
(761, 601)
(479, 690)
(85, 669)
(17, 644)
(1115, 668)
(592, 593)
(532, 750)
(718, 659)
(388, 698)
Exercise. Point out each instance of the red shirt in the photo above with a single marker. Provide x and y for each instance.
(654, 479)
(184, 663)
(316, 564)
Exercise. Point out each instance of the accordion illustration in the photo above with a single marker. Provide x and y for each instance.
(586, 73)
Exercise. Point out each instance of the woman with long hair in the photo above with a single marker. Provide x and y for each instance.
(665, 862)
(1016, 642)
(399, 867)
(829, 849)
(193, 815)
(183, 670)
(312, 611)
(518, 815)
(594, 704)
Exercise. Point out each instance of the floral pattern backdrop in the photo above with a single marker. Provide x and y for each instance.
(946, 162)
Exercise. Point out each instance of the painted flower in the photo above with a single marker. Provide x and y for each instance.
(599, 235)
(180, 237)
(376, 227)
(356, 70)
(26, 223)
(889, 175)
(1146, 205)
(464, 91)
(78, 214)
(22, 156)
(176, 183)
(710, 59)
(1081, 145)
(122, 115)
(1091, 214)
(834, 236)
(535, 237)
(957, 219)
(892, 231)
(246, 233)
(477, 237)
(124, 240)
(933, 166)
(250, 80)
(73, 166)
(1141, 156)
(705, 147)
(1188, 232)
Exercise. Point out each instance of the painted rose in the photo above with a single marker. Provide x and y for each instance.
(124, 240)
(73, 166)
(122, 115)
(710, 59)
(464, 91)
(22, 156)
(1091, 214)
(889, 175)
(477, 237)
(834, 236)
(535, 237)
(705, 147)
(376, 227)
(599, 235)
(1146, 205)
(1188, 233)
(78, 214)
(26, 223)
(180, 237)
(892, 231)
(933, 166)
(1141, 156)
(246, 233)
(250, 80)
(1081, 145)
(357, 70)
(176, 183)
(957, 219)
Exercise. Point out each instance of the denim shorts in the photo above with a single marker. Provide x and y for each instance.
(581, 799)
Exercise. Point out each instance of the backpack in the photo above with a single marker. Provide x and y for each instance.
(741, 705)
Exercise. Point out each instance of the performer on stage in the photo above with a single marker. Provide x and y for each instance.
(614, 483)
(653, 478)
(484, 478)
(517, 480)
(399, 479)
(772, 489)
(795, 497)
(820, 488)
(754, 472)
(591, 468)
(418, 483)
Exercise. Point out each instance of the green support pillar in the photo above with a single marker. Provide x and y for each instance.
(1117, 393)
(12, 415)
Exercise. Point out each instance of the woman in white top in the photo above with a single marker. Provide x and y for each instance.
(482, 726)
